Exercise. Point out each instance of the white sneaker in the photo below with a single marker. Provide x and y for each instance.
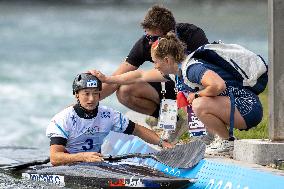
(220, 146)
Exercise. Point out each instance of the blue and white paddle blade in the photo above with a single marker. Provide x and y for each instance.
(183, 156)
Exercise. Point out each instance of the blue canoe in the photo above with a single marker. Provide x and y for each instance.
(209, 173)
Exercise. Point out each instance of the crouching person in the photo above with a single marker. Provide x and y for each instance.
(77, 132)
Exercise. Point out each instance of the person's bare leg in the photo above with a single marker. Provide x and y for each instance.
(214, 113)
(141, 97)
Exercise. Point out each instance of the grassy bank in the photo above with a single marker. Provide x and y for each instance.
(261, 131)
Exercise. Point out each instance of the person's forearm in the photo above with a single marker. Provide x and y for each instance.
(112, 83)
(110, 88)
(211, 91)
(126, 78)
(213, 83)
(61, 158)
(146, 134)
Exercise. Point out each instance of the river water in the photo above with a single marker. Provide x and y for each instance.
(44, 44)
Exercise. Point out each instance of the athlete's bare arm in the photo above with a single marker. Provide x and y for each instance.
(59, 156)
(108, 89)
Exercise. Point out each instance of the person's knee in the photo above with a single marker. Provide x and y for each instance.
(199, 106)
(123, 94)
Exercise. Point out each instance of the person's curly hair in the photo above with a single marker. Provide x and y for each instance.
(169, 45)
(159, 17)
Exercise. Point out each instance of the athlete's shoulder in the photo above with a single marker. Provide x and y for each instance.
(60, 121)
(107, 112)
(66, 112)
(103, 108)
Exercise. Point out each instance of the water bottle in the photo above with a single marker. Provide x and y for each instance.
(196, 127)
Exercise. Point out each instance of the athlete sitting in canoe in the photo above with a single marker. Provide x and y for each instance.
(77, 132)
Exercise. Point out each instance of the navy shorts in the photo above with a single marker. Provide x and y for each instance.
(248, 105)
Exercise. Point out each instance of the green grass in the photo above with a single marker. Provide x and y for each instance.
(260, 131)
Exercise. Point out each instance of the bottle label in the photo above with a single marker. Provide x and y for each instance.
(196, 127)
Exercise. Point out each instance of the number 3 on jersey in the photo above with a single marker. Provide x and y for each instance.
(89, 143)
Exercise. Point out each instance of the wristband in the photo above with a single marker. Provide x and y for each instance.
(196, 95)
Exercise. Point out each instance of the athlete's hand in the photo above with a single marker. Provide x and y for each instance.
(99, 75)
(91, 156)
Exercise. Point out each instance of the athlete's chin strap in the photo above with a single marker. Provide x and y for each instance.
(84, 113)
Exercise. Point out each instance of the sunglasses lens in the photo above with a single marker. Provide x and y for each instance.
(152, 38)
